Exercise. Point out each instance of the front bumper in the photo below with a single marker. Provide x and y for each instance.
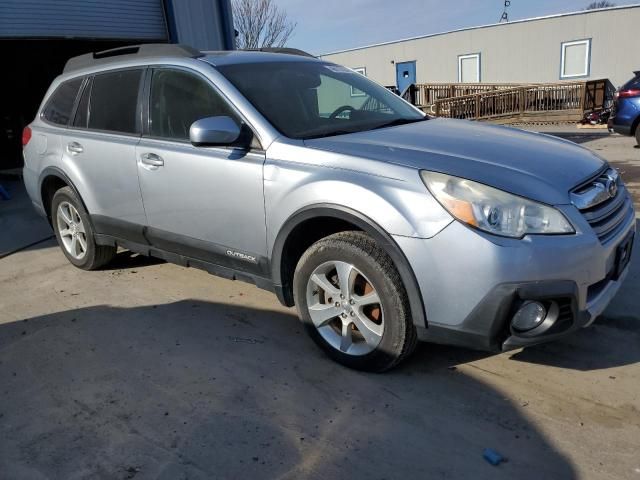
(472, 282)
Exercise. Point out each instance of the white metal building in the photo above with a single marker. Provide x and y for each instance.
(589, 44)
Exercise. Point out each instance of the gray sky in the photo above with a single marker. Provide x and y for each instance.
(327, 25)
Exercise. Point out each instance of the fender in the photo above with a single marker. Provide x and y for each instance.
(57, 172)
(367, 225)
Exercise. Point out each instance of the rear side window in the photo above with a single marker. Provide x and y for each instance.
(60, 106)
(114, 102)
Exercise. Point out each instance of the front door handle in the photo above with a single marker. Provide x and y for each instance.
(152, 160)
(74, 148)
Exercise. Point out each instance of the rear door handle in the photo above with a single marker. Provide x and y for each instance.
(152, 160)
(74, 148)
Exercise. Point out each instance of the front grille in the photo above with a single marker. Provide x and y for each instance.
(605, 212)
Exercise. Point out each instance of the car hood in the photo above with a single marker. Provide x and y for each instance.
(532, 165)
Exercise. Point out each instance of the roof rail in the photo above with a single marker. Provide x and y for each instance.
(130, 52)
(287, 50)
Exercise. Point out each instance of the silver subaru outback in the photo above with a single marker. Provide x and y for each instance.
(382, 225)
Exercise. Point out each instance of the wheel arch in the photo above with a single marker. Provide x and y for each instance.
(51, 180)
(281, 267)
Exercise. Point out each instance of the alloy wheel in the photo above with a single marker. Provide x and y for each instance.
(345, 308)
(71, 230)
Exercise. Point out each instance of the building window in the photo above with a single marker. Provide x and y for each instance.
(469, 68)
(576, 59)
(354, 91)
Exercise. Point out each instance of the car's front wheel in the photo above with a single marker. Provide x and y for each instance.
(74, 232)
(353, 303)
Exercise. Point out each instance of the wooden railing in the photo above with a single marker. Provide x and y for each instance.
(542, 102)
(428, 93)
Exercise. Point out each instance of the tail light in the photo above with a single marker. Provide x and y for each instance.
(632, 92)
(26, 135)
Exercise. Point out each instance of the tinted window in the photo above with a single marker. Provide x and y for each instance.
(314, 99)
(178, 99)
(114, 101)
(60, 105)
(82, 112)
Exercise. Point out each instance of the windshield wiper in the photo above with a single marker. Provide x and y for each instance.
(327, 134)
(400, 121)
(393, 123)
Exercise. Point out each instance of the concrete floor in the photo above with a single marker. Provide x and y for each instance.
(149, 370)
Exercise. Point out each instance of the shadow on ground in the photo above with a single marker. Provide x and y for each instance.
(203, 390)
(19, 218)
(127, 259)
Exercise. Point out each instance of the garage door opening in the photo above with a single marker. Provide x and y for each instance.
(33, 65)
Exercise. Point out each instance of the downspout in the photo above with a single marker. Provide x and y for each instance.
(228, 31)
(170, 17)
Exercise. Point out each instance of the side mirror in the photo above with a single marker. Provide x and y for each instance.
(214, 131)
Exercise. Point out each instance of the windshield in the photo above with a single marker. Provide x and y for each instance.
(316, 99)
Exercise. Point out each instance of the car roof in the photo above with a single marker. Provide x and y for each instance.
(141, 54)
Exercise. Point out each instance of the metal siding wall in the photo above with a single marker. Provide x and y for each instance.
(516, 52)
(203, 24)
(108, 19)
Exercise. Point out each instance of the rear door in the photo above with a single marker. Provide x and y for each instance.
(100, 147)
(201, 202)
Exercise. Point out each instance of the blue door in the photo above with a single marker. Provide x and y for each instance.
(405, 74)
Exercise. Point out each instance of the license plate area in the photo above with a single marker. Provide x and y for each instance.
(623, 255)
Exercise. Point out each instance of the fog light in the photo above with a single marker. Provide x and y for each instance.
(530, 315)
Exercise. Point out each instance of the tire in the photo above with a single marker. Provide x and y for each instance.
(638, 135)
(363, 334)
(74, 231)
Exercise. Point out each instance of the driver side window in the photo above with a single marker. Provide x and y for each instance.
(178, 99)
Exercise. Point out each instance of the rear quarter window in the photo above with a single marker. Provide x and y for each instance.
(114, 101)
(60, 106)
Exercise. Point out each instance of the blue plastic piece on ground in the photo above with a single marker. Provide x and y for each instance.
(4, 195)
(493, 457)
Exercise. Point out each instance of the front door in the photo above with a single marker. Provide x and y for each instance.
(201, 202)
(405, 75)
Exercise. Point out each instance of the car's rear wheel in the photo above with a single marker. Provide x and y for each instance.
(353, 303)
(638, 135)
(75, 234)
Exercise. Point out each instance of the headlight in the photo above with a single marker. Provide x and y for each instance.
(493, 210)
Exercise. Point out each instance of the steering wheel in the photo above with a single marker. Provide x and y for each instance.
(340, 110)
